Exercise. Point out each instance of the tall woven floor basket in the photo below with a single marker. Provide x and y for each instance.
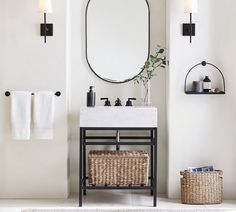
(201, 187)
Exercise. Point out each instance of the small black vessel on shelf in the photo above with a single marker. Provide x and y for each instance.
(190, 92)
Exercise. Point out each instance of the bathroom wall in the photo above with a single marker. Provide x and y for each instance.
(202, 129)
(33, 169)
(39, 169)
(82, 77)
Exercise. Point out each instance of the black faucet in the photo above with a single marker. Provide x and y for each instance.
(129, 102)
(118, 102)
(107, 102)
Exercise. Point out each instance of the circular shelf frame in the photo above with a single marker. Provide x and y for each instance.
(204, 63)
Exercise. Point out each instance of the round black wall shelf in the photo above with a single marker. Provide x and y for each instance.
(204, 63)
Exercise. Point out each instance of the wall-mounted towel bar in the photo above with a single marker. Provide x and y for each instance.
(7, 93)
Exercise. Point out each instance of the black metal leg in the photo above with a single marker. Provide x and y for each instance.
(81, 167)
(84, 161)
(151, 163)
(117, 140)
(155, 169)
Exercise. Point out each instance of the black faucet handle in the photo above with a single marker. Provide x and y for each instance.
(107, 102)
(129, 102)
(118, 102)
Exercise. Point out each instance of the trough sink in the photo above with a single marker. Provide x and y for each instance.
(122, 117)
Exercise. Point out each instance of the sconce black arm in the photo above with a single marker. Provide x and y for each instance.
(189, 29)
(45, 28)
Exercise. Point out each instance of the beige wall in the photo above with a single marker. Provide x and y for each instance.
(39, 169)
(32, 168)
(202, 129)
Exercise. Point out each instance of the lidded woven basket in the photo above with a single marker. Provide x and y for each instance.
(202, 187)
(118, 167)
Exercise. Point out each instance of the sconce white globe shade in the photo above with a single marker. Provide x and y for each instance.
(45, 6)
(190, 6)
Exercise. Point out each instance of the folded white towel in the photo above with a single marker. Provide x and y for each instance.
(43, 115)
(20, 115)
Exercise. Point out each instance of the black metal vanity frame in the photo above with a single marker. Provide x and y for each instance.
(152, 142)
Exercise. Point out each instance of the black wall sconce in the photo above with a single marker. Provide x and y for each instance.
(189, 29)
(45, 7)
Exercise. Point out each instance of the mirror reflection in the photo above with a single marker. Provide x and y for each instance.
(117, 38)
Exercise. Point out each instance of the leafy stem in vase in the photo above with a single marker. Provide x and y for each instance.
(155, 61)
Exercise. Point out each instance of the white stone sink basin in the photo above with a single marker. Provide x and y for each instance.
(101, 116)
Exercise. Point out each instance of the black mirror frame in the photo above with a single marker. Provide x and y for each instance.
(86, 45)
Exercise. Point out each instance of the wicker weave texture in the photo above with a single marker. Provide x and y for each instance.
(118, 167)
(202, 187)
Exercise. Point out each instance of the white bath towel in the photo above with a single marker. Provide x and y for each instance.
(43, 115)
(20, 115)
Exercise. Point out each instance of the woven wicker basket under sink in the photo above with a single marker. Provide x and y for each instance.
(118, 167)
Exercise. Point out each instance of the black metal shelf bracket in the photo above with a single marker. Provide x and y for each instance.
(203, 63)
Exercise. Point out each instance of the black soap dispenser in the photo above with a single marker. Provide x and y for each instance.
(91, 97)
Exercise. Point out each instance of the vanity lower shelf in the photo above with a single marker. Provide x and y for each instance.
(116, 187)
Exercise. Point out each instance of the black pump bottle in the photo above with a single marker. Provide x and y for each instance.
(91, 97)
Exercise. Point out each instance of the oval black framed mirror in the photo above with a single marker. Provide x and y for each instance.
(117, 38)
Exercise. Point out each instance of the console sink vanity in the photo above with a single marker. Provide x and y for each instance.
(101, 116)
(122, 123)
(118, 120)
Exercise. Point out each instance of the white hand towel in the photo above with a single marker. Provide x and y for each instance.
(20, 115)
(43, 115)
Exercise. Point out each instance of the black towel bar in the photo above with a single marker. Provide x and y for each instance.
(7, 93)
